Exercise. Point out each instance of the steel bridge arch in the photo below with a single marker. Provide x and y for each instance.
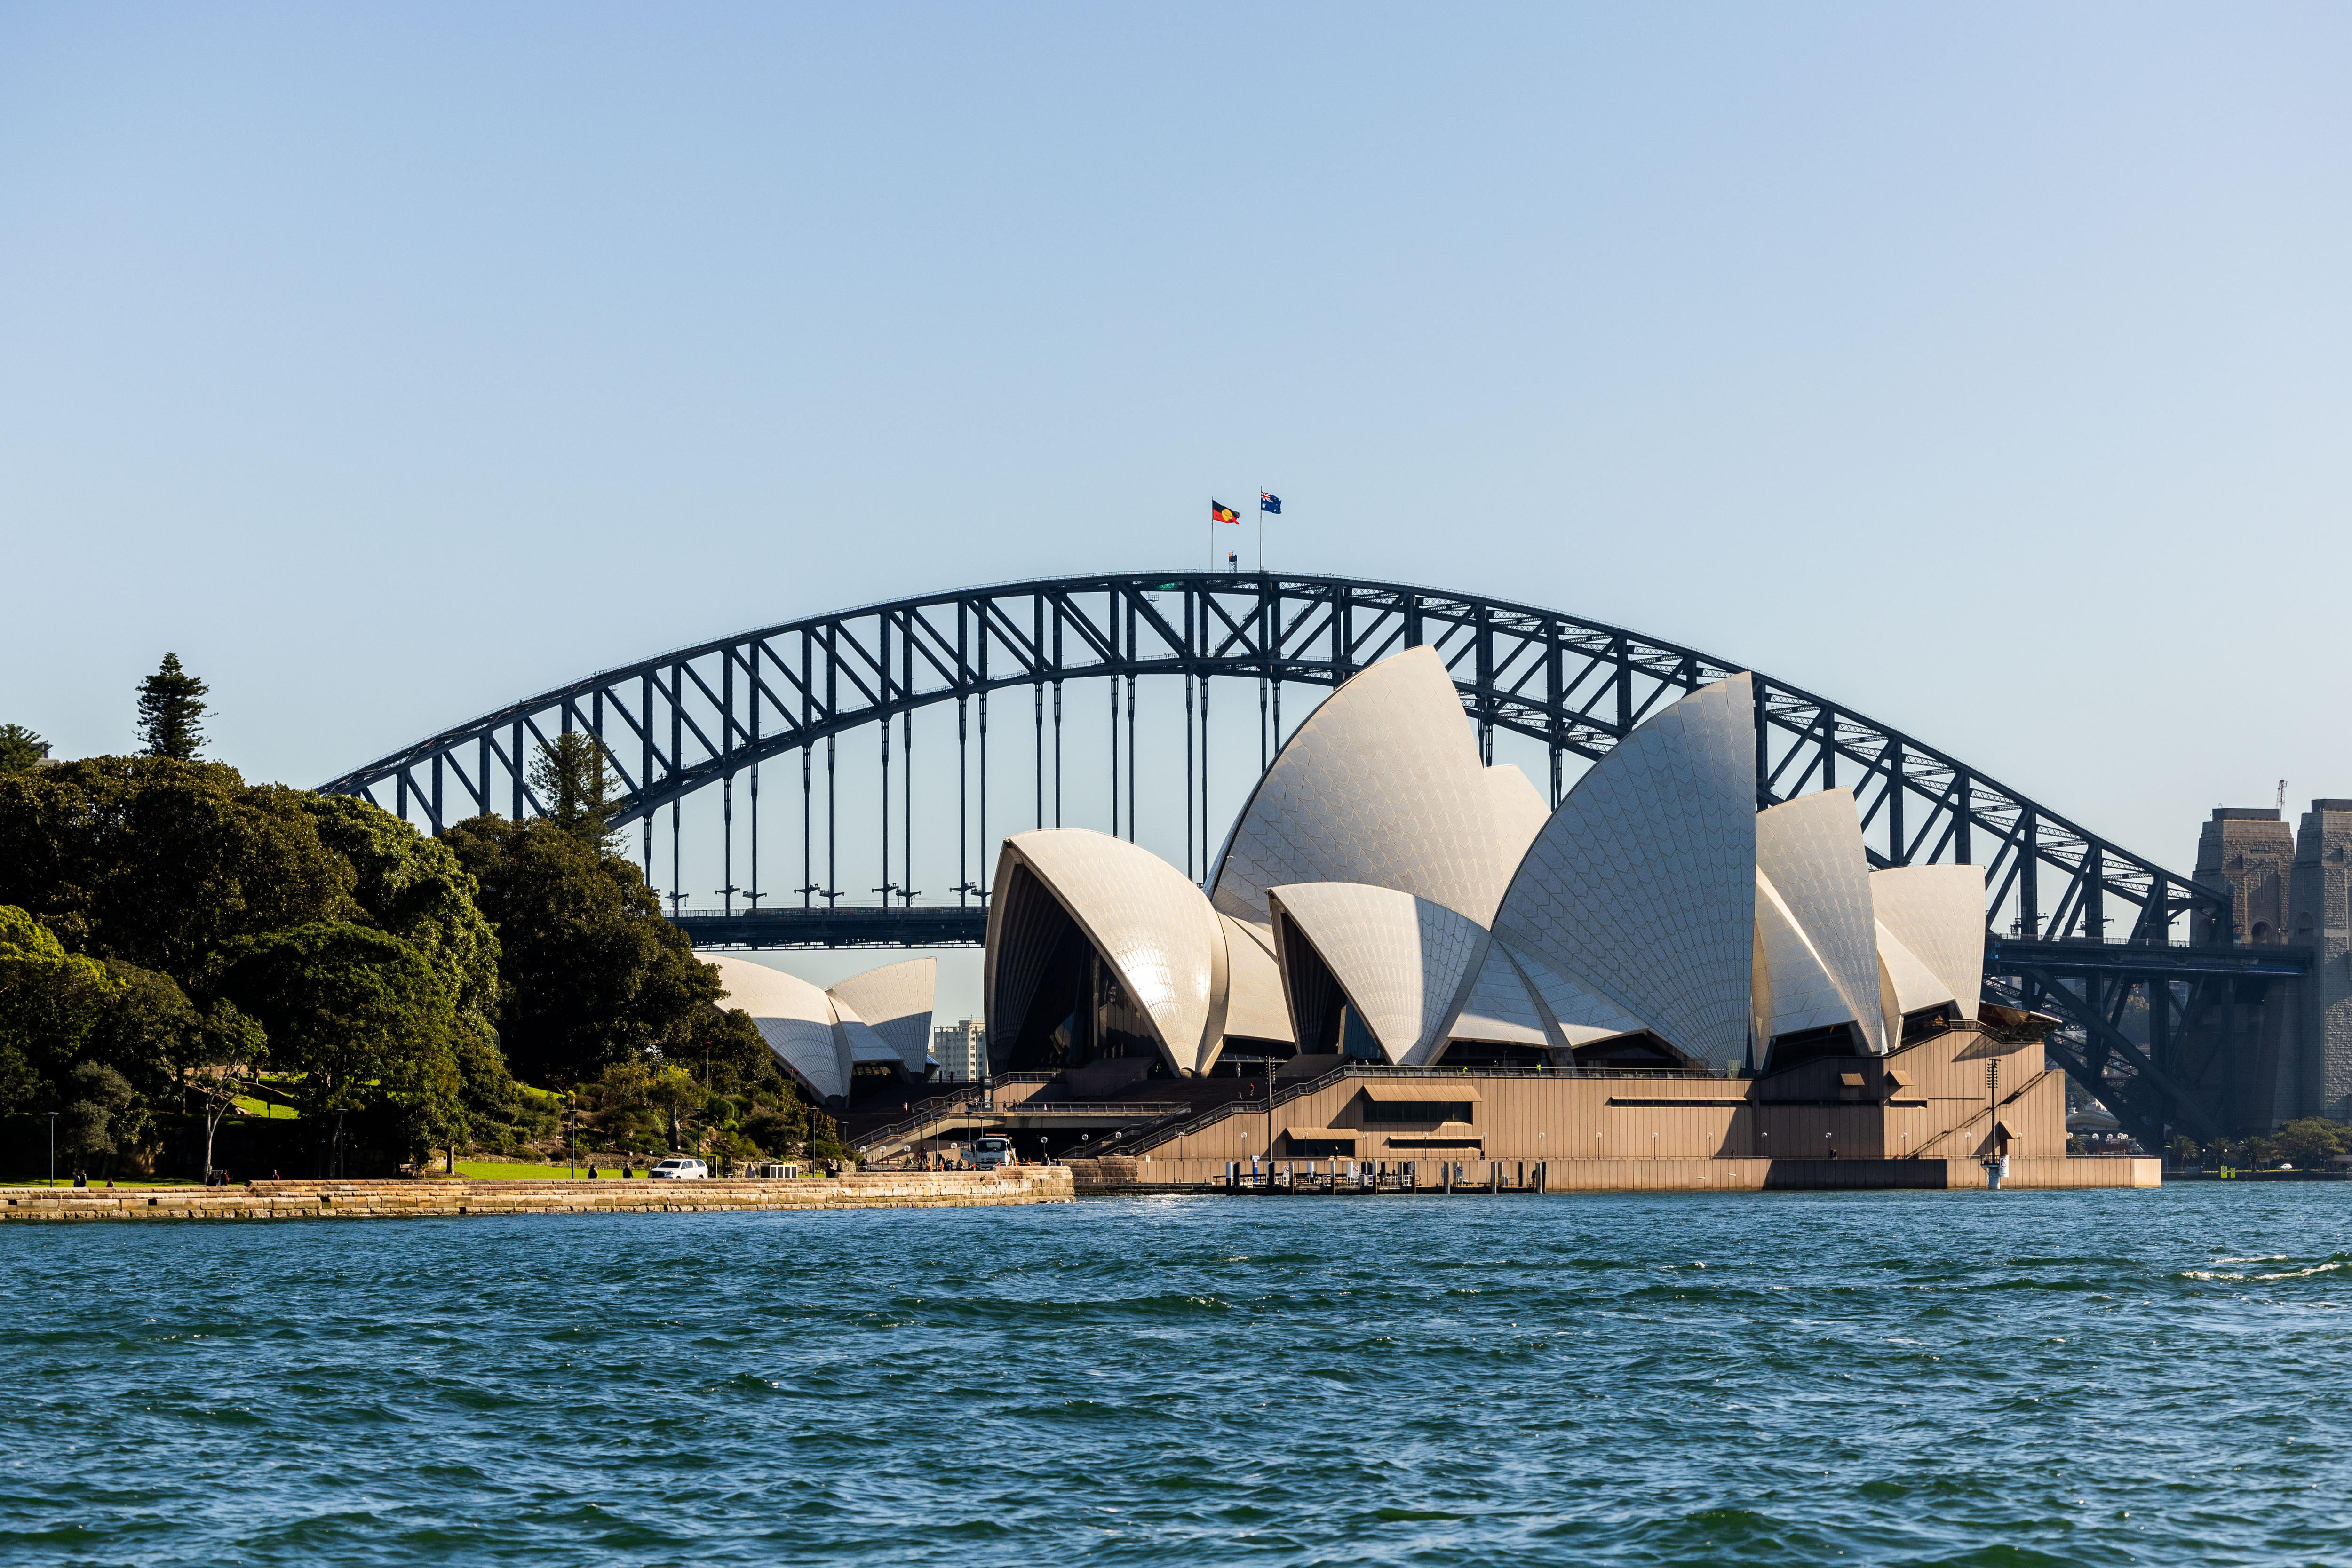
(696, 717)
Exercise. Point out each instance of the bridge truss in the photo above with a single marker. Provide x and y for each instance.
(705, 717)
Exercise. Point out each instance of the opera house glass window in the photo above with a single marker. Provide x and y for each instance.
(1081, 1013)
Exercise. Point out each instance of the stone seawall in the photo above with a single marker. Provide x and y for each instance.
(435, 1197)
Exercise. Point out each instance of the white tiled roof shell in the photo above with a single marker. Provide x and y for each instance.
(1159, 933)
(1519, 812)
(793, 1016)
(1793, 987)
(1641, 887)
(1382, 785)
(1255, 1007)
(1571, 1013)
(1811, 849)
(856, 1036)
(894, 1001)
(1400, 959)
(1904, 984)
(1498, 1006)
(1939, 912)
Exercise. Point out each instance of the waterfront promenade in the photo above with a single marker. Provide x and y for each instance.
(437, 1198)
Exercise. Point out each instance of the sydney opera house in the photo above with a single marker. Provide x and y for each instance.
(1411, 962)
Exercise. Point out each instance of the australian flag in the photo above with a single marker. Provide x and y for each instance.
(1269, 501)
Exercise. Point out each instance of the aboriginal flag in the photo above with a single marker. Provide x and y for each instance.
(1220, 512)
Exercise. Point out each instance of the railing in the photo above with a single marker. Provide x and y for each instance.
(944, 1108)
(925, 1109)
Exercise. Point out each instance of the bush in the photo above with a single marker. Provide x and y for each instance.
(2312, 1142)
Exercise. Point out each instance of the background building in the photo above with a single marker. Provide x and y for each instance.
(961, 1051)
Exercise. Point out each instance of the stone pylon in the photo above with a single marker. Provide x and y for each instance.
(2319, 914)
(2249, 851)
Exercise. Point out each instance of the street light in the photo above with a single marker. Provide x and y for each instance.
(53, 1148)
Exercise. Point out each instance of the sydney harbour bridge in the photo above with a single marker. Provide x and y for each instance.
(2078, 926)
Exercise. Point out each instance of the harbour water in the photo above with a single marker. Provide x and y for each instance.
(1962, 1378)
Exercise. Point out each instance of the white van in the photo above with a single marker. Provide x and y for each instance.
(680, 1169)
(991, 1154)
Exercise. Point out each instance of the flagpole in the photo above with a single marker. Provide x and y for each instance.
(1261, 531)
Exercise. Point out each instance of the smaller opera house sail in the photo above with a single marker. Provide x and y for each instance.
(880, 1021)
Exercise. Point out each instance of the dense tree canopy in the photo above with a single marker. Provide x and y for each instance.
(50, 1003)
(159, 863)
(2309, 1144)
(145, 1029)
(592, 974)
(178, 930)
(413, 888)
(359, 1015)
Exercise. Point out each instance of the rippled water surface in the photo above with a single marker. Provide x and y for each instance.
(1932, 1378)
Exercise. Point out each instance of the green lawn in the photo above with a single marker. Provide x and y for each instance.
(498, 1171)
(64, 1180)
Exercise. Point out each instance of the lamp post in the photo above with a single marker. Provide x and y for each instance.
(53, 1148)
(1269, 1118)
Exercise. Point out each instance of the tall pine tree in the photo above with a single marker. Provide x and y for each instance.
(171, 712)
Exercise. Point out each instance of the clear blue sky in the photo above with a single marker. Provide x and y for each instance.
(1987, 368)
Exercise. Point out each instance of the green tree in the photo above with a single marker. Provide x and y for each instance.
(2309, 1144)
(50, 1003)
(171, 713)
(144, 1030)
(731, 1057)
(592, 975)
(224, 1051)
(780, 1128)
(160, 863)
(415, 888)
(19, 748)
(360, 1016)
(102, 1115)
(673, 1092)
(574, 787)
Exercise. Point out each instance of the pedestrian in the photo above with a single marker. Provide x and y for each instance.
(273, 1173)
(81, 1177)
(591, 1170)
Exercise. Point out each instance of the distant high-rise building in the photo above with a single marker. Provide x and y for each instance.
(961, 1051)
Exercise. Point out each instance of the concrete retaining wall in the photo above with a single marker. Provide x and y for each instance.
(435, 1197)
